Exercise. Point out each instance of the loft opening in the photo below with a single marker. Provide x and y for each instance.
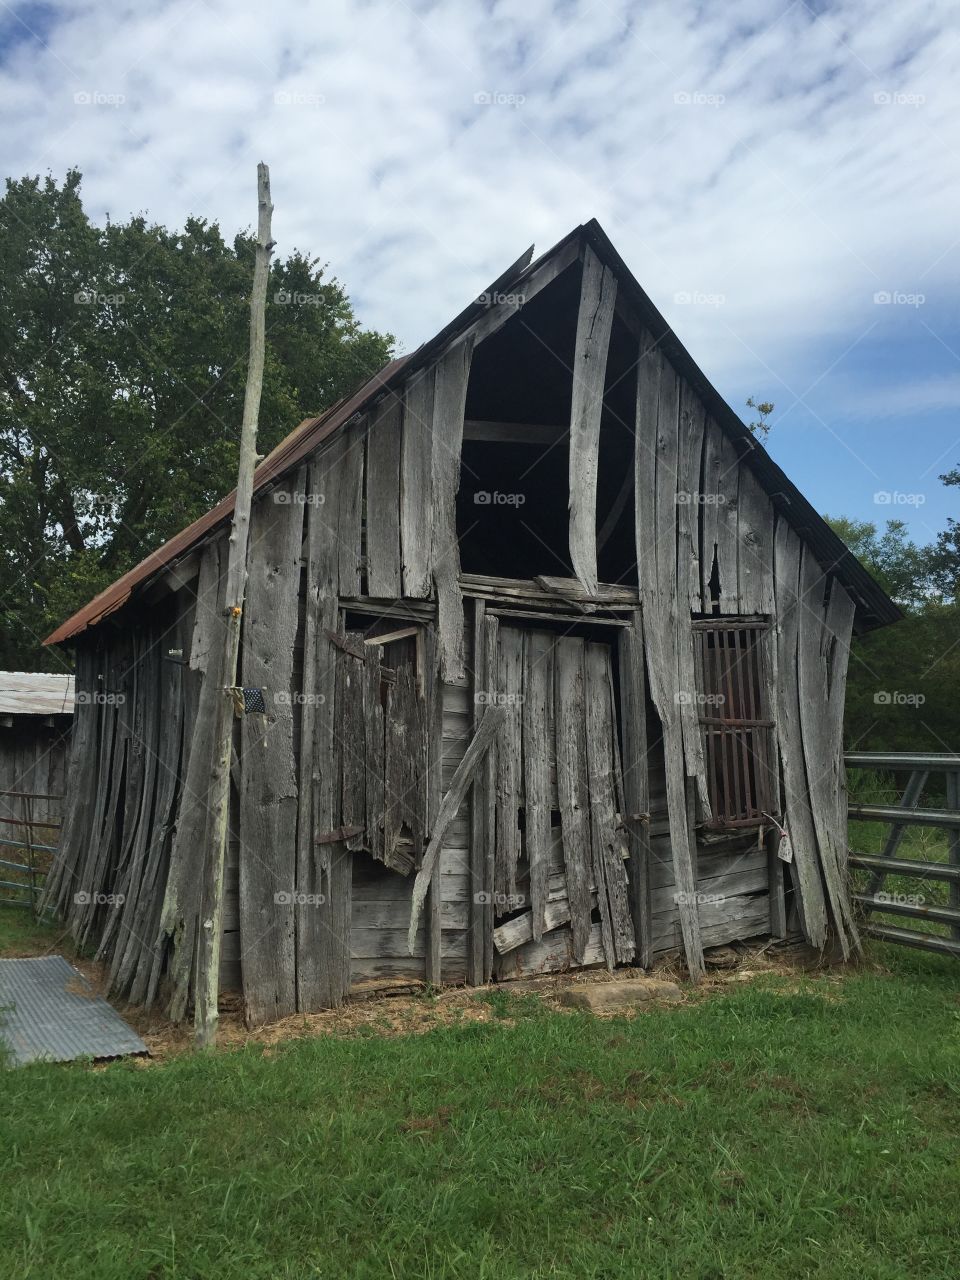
(513, 502)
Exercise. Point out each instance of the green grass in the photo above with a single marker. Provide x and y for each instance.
(788, 1128)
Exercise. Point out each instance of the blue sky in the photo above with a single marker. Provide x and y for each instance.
(781, 177)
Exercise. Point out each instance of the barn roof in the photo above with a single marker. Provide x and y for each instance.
(874, 607)
(35, 693)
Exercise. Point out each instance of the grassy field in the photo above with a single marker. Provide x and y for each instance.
(788, 1126)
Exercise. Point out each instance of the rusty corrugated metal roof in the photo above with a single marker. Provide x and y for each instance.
(874, 607)
(50, 1013)
(291, 450)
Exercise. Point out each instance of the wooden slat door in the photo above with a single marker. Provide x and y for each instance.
(560, 879)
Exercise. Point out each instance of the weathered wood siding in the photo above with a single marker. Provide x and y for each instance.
(702, 518)
(33, 759)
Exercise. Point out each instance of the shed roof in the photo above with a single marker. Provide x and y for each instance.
(874, 607)
(35, 693)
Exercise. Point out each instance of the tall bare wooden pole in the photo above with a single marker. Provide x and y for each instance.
(208, 948)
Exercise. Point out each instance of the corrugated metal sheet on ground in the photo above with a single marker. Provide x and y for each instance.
(50, 1012)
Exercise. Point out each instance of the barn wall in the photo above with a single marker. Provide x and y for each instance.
(701, 516)
(33, 759)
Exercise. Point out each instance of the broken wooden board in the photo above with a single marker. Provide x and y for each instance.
(268, 781)
(598, 296)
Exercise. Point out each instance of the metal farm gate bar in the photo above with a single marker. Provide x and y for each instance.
(922, 769)
(26, 825)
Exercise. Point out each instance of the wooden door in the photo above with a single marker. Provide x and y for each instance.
(560, 885)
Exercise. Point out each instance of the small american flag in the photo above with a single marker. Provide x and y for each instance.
(253, 701)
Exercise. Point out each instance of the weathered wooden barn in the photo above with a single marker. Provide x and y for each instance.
(36, 709)
(547, 519)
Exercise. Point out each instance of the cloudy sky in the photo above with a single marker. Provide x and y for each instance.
(781, 177)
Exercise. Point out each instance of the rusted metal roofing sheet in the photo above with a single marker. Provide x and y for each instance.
(874, 607)
(50, 1013)
(35, 693)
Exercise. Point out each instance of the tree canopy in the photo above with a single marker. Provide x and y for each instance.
(903, 686)
(123, 353)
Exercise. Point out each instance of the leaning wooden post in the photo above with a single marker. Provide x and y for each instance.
(208, 949)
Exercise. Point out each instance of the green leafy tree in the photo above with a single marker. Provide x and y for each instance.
(903, 686)
(122, 365)
(945, 560)
(902, 568)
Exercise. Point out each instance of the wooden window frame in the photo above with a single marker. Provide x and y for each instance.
(738, 748)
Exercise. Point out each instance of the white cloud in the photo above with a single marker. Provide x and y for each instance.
(792, 164)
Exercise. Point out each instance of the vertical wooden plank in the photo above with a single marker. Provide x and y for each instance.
(349, 507)
(373, 747)
(416, 484)
(406, 767)
(798, 818)
(823, 651)
(754, 530)
(268, 783)
(656, 533)
(323, 872)
(478, 810)
(351, 677)
(537, 692)
(490, 683)
(180, 916)
(609, 871)
(572, 786)
(383, 499)
(645, 462)
(598, 294)
(778, 901)
(728, 490)
(433, 752)
(709, 516)
(509, 762)
(636, 784)
(689, 499)
(452, 376)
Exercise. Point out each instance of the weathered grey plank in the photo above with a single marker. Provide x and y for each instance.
(636, 783)
(491, 724)
(607, 841)
(537, 696)
(728, 491)
(349, 509)
(453, 373)
(709, 515)
(598, 294)
(268, 783)
(433, 765)
(478, 810)
(383, 498)
(416, 484)
(655, 523)
(373, 752)
(180, 916)
(509, 761)
(351, 743)
(554, 953)
(515, 932)
(572, 785)
(823, 651)
(755, 523)
(486, 790)
(799, 820)
(323, 872)
(689, 498)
